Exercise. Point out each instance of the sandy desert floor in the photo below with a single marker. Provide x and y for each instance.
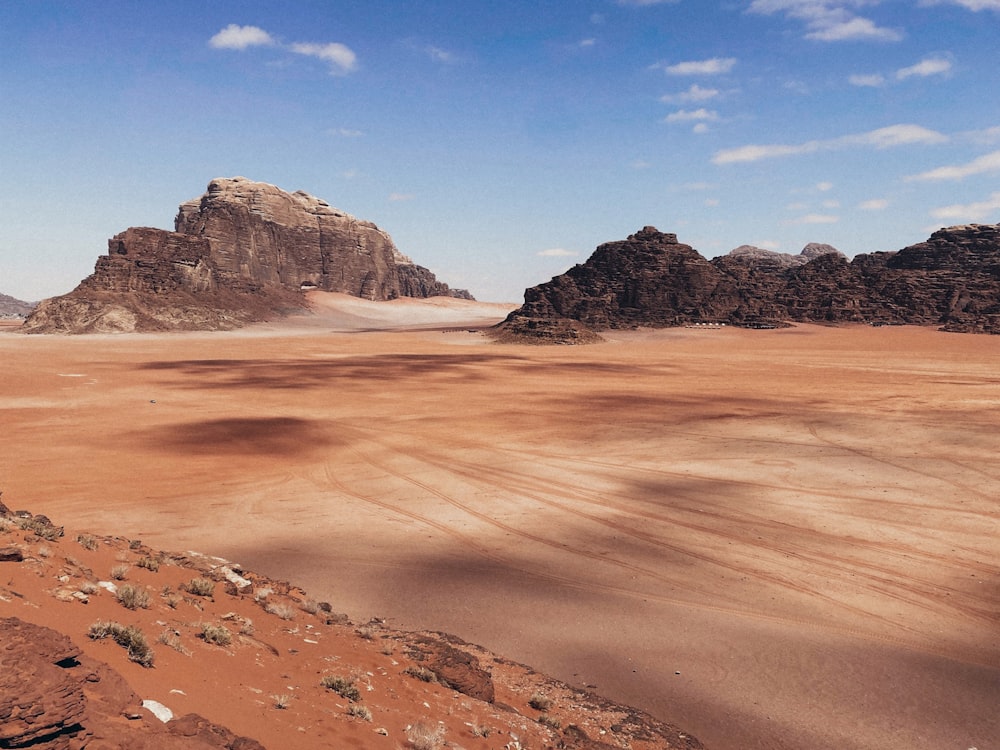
(774, 539)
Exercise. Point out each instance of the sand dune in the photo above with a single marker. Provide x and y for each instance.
(774, 539)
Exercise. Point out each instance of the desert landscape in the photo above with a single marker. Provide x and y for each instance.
(769, 538)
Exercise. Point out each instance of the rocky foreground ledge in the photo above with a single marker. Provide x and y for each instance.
(106, 644)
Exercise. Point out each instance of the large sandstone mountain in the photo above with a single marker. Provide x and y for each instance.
(241, 252)
(650, 279)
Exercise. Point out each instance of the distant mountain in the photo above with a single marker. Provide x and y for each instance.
(14, 308)
(650, 279)
(242, 252)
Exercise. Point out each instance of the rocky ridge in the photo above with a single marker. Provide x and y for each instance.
(242, 252)
(11, 307)
(262, 664)
(952, 280)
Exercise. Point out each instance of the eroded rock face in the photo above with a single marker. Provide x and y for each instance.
(240, 253)
(951, 280)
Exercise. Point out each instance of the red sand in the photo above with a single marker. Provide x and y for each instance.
(774, 539)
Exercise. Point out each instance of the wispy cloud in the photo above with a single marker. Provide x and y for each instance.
(438, 54)
(241, 37)
(396, 197)
(694, 94)
(710, 67)
(888, 137)
(981, 165)
(873, 80)
(875, 204)
(973, 5)
(345, 132)
(555, 252)
(341, 58)
(978, 211)
(931, 66)
(829, 20)
(815, 219)
(694, 115)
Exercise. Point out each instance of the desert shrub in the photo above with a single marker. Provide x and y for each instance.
(89, 587)
(262, 593)
(133, 597)
(134, 544)
(425, 737)
(367, 632)
(550, 721)
(170, 638)
(200, 587)
(129, 637)
(120, 572)
(39, 528)
(421, 673)
(45, 551)
(217, 634)
(281, 701)
(540, 702)
(342, 686)
(149, 563)
(246, 626)
(280, 610)
(310, 606)
(361, 712)
(481, 730)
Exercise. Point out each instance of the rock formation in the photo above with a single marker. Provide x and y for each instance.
(14, 308)
(241, 252)
(650, 279)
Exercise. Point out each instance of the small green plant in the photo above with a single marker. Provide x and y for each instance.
(540, 702)
(200, 587)
(133, 597)
(342, 686)
(120, 572)
(217, 634)
(129, 637)
(421, 673)
(359, 711)
(149, 563)
(425, 737)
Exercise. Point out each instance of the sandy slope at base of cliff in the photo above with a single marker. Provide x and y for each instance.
(775, 539)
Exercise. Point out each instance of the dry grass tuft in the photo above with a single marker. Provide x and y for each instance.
(217, 634)
(129, 637)
(425, 737)
(133, 597)
(342, 686)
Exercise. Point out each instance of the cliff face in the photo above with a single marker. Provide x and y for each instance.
(12, 307)
(951, 280)
(239, 253)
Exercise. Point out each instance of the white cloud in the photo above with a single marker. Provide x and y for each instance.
(829, 20)
(240, 37)
(587, 42)
(874, 80)
(971, 212)
(931, 66)
(555, 252)
(695, 115)
(401, 196)
(987, 136)
(341, 58)
(875, 204)
(694, 94)
(986, 163)
(888, 137)
(439, 55)
(973, 5)
(700, 128)
(710, 67)
(815, 219)
(824, 186)
(640, 164)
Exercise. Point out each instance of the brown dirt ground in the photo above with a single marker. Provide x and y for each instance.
(777, 539)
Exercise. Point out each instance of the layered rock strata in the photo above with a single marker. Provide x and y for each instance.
(241, 252)
(650, 279)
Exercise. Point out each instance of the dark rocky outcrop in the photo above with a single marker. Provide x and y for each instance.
(650, 279)
(242, 252)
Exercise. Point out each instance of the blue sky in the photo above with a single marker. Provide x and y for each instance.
(500, 142)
